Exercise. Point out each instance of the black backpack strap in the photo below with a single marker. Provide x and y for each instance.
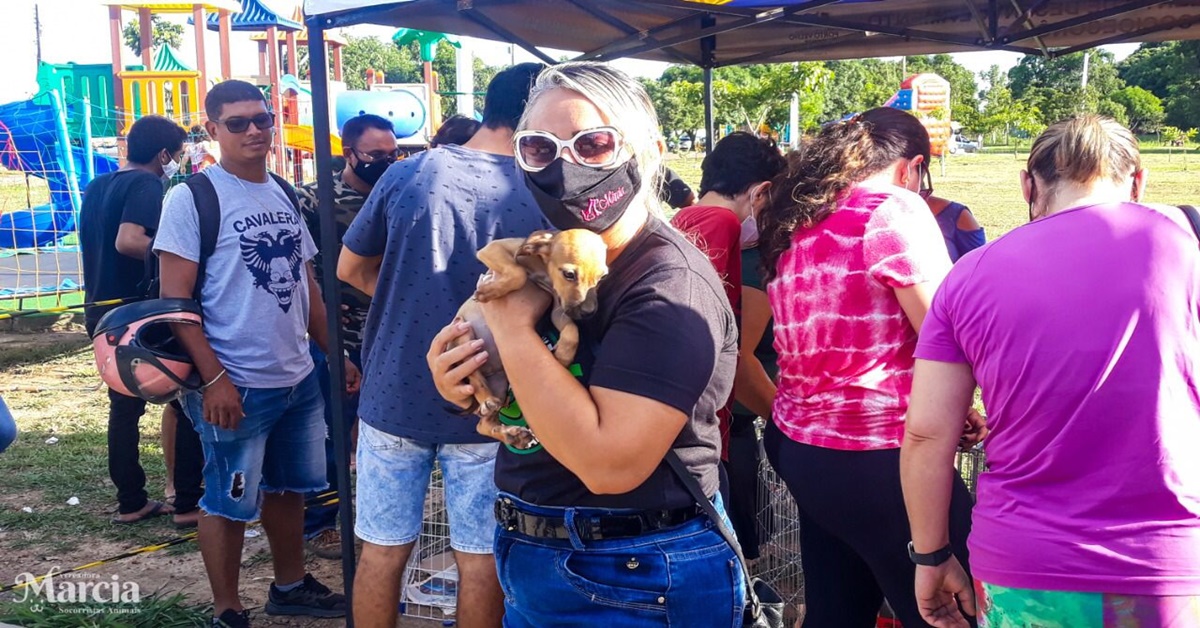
(1193, 217)
(208, 211)
(288, 190)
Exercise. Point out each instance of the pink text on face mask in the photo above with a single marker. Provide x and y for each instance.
(596, 206)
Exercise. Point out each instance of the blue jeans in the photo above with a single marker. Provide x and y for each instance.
(8, 427)
(681, 576)
(393, 476)
(319, 516)
(278, 447)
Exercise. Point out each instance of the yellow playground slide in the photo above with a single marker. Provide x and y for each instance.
(303, 138)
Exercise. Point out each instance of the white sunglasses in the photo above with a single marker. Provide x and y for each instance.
(597, 148)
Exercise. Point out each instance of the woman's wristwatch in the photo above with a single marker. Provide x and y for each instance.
(932, 559)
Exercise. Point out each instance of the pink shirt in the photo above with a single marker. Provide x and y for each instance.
(845, 345)
(1082, 331)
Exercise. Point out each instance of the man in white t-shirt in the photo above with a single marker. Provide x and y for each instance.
(260, 410)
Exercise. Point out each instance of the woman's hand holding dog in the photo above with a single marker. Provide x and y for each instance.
(450, 368)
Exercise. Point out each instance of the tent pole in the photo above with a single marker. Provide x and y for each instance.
(708, 109)
(707, 46)
(319, 71)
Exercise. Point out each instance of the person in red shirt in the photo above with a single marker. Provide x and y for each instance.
(735, 184)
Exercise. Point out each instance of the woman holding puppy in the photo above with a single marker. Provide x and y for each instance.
(595, 527)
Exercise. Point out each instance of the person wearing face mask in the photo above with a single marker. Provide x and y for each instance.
(1080, 328)
(369, 146)
(617, 490)
(412, 249)
(851, 257)
(117, 221)
(734, 185)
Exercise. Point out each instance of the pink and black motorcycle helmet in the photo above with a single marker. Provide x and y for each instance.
(138, 355)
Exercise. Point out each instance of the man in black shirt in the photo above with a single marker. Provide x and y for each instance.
(116, 224)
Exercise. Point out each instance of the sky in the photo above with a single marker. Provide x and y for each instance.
(77, 30)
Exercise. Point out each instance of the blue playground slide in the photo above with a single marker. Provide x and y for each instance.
(33, 140)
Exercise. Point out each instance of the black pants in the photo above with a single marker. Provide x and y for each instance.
(124, 465)
(854, 531)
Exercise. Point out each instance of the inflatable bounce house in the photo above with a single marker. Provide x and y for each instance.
(407, 106)
(927, 96)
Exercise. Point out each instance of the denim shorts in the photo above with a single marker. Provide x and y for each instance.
(278, 447)
(684, 576)
(393, 476)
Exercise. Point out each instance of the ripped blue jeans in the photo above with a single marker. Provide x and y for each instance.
(278, 447)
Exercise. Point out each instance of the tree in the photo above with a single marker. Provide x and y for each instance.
(363, 53)
(1171, 71)
(1055, 85)
(1178, 138)
(858, 85)
(998, 108)
(162, 32)
(679, 105)
(762, 96)
(1143, 109)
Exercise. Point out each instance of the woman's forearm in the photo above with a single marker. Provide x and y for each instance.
(752, 387)
(926, 479)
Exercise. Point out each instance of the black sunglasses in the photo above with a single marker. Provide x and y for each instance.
(262, 121)
(376, 155)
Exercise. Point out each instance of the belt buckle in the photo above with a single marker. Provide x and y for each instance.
(506, 514)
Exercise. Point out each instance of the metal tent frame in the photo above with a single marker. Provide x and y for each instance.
(712, 34)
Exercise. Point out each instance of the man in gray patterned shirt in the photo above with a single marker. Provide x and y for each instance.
(369, 146)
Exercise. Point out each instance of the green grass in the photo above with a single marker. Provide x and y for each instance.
(53, 391)
(19, 192)
(989, 183)
(42, 302)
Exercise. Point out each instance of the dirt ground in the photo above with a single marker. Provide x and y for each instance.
(47, 378)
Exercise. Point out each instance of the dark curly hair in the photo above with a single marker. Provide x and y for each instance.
(816, 177)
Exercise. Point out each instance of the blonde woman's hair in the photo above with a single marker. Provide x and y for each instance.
(1083, 149)
(626, 105)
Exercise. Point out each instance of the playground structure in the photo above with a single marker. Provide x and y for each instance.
(90, 107)
(927, 96)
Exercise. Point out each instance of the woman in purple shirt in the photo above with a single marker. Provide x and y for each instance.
(1081, 328)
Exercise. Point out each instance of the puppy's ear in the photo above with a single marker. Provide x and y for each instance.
(538, 243)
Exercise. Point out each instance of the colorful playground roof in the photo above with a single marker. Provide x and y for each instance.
(166, 6)
(165, 60)
(302, 37)
(256, 16)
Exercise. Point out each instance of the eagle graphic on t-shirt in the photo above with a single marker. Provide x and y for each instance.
(273, 258)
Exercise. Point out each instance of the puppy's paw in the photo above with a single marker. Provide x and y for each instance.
(490, 407)
(518, 437)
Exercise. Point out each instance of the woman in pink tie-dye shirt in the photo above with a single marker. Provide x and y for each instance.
(852, 257)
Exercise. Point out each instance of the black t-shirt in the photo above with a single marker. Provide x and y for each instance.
(133, 196)
(673, 190)
(664, 330)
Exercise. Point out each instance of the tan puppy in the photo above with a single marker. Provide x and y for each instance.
(568, 265)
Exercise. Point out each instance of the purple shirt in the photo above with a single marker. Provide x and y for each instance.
(1082, 330)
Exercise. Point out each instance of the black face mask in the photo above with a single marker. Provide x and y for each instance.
(578, 197)
(370, 172)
